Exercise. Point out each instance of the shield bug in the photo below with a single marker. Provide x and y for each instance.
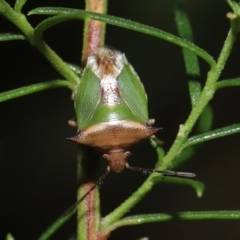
(112, 111)
(111, 107)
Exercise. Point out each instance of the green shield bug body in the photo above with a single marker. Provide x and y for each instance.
(111, 107)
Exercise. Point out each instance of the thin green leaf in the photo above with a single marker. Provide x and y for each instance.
(205, 121)
(228, 83)
(19, 4)
(221, 132)
(56, 225)
(194, 90)
(23, 91)
(9, 237)
(196, 185)
(161, 217)
(11, 36)
(66, 15)
(52, 11)
(190, 58)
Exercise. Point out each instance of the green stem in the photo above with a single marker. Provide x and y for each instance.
(19, 4)
(228, 83)
(177, 147)
(55, 226)
(120, 22)
(128, 204)
(221, 132)
(20, 21)
(206, 95)
(196, 185)
(57, 62)
(11, 36)
(143, 190)
(23, 91)
(153, 218)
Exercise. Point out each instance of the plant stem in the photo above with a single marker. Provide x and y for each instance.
(94, 31)
(55, 226)
(128, 204)
(228, 83)
(161, 217)
(217, 133)
(23, 91)
(88, 219)
(20, 21)
(11, 37)
(205, 96)
(124, 23)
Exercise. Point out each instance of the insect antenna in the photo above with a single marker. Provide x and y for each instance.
(164, 172)
(98, 183)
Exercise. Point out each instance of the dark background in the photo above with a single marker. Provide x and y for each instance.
(38, 164)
